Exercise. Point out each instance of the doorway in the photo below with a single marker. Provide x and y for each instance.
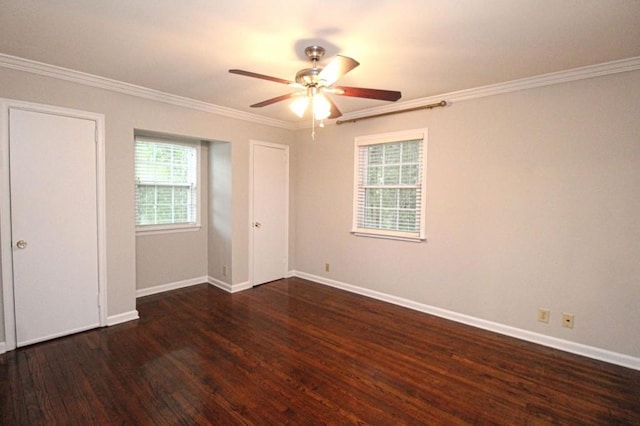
(52, 222)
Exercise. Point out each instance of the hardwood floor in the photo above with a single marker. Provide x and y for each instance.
(296, 352)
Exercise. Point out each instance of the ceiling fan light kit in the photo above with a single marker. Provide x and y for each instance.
(320, 105)
(299, 106)
(316, 84)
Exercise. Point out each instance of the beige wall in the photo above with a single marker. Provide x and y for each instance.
(123, 114)
(220, 212)
(533, 200)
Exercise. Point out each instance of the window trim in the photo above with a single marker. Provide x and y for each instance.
(175, 227)
(166, 229)
(399, 136)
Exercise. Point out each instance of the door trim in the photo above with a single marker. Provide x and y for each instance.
(252, 144)
(5, 209)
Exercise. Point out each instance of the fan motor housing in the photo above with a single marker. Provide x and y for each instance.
(308, 76)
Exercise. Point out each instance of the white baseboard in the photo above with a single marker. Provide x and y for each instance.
(170, 286)
(541, 339)
(229, 288)
(112, 320)
(241, 287)
(124, 317)
(220, 284)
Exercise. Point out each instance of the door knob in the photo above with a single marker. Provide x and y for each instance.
(21, 244)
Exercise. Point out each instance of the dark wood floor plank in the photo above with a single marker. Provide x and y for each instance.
(296, 352)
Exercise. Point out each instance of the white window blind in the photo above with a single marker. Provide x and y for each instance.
(166, 183)
(389, 185)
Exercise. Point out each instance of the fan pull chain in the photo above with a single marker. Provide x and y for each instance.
(313, 120)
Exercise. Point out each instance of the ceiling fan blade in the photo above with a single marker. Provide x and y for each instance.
(361, 92)
(338, 67)
(262, 76)
(274, 100)
(335, 112)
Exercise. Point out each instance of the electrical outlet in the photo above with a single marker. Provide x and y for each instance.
(327, 267)
(224, 271)
(543, 315)
(567, 320)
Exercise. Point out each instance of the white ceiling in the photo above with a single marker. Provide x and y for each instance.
(420, 47)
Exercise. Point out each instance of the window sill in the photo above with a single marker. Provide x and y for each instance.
(167, 229)
(388, 236)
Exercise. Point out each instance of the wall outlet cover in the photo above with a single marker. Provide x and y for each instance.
(543, 315)
(567, 320)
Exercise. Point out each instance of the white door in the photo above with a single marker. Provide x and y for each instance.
(270, 201)
(54, 225)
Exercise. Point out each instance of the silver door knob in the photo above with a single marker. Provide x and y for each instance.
(257, 224)
(21, 244)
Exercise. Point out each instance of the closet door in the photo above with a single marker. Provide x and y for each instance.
(54, 224)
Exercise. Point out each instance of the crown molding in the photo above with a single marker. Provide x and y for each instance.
(40, 68)
(607, 68)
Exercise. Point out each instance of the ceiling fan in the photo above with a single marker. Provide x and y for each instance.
(317, 82)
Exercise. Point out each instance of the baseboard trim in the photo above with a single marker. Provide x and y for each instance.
(112, 320)
(241, 287)
(170, 286)
(229, 288)
(541, 339)
(220, 284)
(123, 317)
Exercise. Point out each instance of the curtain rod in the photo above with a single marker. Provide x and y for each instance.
(430, 106)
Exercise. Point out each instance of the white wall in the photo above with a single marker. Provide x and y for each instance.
(533, 200)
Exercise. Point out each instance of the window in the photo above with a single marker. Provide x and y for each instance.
(167, 184)
(389, 185)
